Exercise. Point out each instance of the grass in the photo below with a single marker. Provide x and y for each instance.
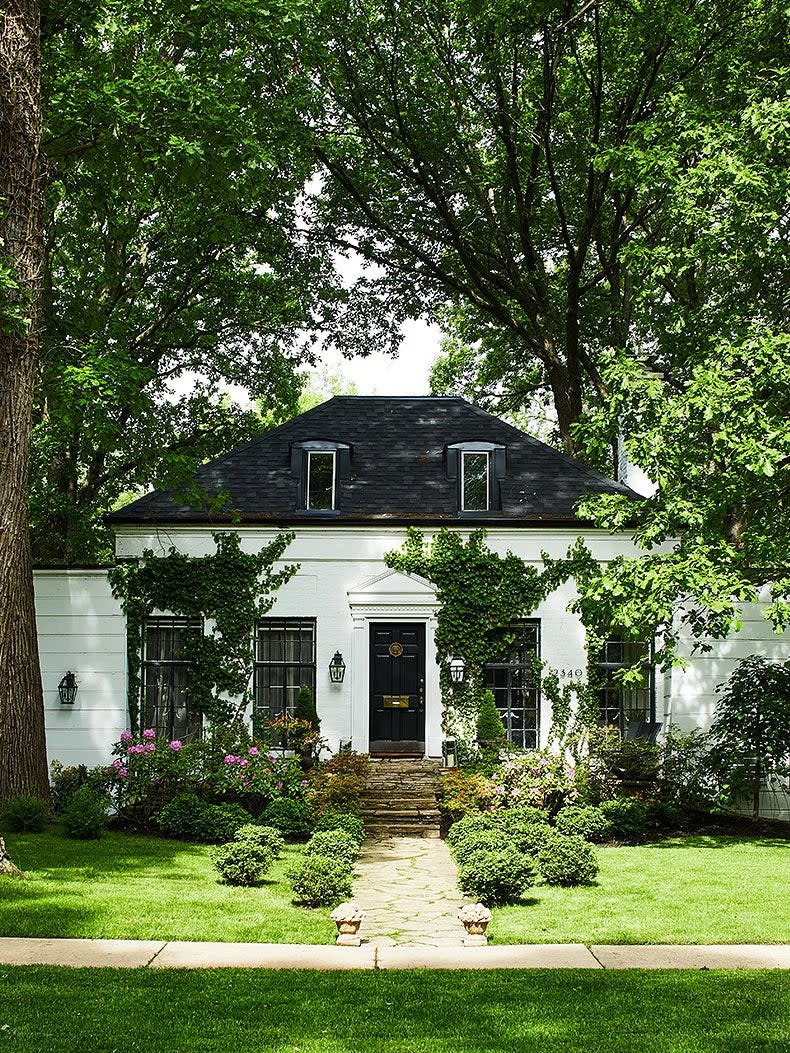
(50, 1010)
(134, 887)
(694, 889)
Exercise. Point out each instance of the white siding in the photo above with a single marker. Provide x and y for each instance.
(81, 627)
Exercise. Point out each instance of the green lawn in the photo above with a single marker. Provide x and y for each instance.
(47, 1010)
(696, 889)
(128, 886)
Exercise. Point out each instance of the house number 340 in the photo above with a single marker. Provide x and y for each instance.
(571, 674)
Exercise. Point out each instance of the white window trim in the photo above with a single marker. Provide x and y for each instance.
(321, 453)
(475, 453)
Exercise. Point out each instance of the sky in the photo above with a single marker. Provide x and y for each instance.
(381, 374)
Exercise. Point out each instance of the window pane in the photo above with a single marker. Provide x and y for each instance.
(320, 470)
(512, 680)
(165, 675)
(285, 661)
(475, 476)
(621, 704)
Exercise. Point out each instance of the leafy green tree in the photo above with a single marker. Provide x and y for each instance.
(474, 154)
(712, 428)
(749, 738)
(177, 268)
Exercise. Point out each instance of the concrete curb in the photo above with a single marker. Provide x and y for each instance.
(179, 954)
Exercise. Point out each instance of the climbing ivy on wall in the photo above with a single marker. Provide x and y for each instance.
(481, 593)
(229, 588)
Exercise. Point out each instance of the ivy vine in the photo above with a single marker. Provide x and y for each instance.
(481, 594)
(229, 588)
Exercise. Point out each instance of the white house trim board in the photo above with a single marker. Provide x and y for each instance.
(393, 597)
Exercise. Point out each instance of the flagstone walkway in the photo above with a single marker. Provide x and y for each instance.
(408, 889)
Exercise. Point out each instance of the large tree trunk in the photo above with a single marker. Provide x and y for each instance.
(23, 761)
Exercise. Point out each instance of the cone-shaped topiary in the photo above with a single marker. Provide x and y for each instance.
(490, 729)
(304, 708)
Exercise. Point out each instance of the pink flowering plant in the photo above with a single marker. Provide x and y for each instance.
(542, 780)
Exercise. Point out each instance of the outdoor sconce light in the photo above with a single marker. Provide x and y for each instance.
(337, 668)
(67, 689)
(457, 669)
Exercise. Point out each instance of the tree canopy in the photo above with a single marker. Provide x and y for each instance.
(176, 264)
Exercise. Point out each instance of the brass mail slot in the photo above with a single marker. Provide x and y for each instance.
(396, 701)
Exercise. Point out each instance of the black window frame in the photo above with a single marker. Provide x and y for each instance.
(309, 455)
(621, 713)
(192, 727)
(262, 710)
(527, 737)
(475, 453)
(300, 469)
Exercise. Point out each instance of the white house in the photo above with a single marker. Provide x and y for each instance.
(348, 478)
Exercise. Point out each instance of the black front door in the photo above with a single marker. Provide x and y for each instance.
(397, 688)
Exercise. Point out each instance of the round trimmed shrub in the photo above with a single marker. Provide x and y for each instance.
(514, 820)
(85, 815)
(471, 821)
(349, 824)
(498, 875)
(629, 819)
(320, 882)
(290, 817)
(531, 838)
(242, 862)
(567, 859)
(25, 815)
(181, 817)
(333, 844)
(480, 840)
(261, 836)
(218, 823)
(586, 821)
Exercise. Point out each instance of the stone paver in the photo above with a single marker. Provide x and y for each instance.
(408, 888)
(127, 954)
(718, 956)
(184, 955)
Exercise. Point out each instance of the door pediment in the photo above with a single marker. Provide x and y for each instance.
(395, 590)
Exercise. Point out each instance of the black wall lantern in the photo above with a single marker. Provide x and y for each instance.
(337, 668)
(457, 669)
(67, 689)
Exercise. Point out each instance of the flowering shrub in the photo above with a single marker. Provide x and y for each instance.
(543, 780)
(296, 734)
(149, 770)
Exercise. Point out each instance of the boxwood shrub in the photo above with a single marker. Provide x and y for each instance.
(586, 821)
(25, 815)
(242, 862)
(333, 844)
(498, 875)
(472, 821)
(349, 824)
(629, 819)
(567, 859)
(85, 815)
(262, 836)
(320, 882)
(289, 816)
(480, 840)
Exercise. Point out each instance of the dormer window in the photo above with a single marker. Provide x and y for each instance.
(477, 468)
(320, 483)
(475, 471)
(320, 468)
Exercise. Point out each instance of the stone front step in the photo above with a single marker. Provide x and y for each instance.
(401, 796)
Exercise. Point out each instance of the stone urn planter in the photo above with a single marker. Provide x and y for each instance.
(475, 918)
(348, 917)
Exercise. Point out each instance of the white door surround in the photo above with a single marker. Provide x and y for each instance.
(393, 597)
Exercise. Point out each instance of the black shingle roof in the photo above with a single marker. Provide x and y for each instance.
(398, 470)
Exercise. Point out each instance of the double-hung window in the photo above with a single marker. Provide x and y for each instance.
(475, 486)
(321, 477)
(512, 679)
(623, 704)
(284, 662)
(165, 678)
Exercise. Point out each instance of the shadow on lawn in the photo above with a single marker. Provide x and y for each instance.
(718, 841)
